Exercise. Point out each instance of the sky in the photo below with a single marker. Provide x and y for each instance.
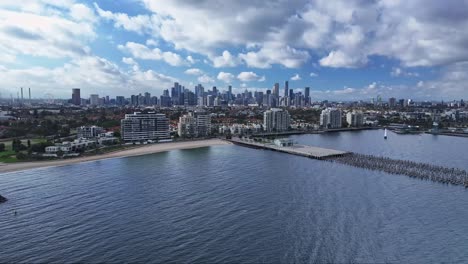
(342, 49)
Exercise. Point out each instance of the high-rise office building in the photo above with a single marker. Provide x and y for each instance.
(229, 92)
(286, 88)
(276, 89)
(120, 100)
(276, 120)
(307, 95)
(94, 99)
(144, 126)
(76, 97)
(147, 99)
(392, 102)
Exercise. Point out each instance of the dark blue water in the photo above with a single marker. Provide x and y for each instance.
(234, 204)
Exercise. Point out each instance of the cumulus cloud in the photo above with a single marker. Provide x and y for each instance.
(313, 74)
(205, 79)
(225, 77)
(191, 60)
(248, 76)
(50, 36)
(296, 77)
(396, 71)
(225, 60)
(194, 71)
(141, 51)
(81, 12)
(151, 42)
(339, 59)
(344, 32)
(91, 73)
(139, 24)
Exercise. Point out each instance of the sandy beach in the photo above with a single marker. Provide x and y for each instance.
(137, 151)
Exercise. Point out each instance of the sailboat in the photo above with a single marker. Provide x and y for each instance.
(385, 134)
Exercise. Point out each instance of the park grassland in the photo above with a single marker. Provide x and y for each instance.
(9, 155)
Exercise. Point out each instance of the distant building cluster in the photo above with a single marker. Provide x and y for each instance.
(179, 95)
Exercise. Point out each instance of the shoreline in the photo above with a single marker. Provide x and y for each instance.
(139, 151)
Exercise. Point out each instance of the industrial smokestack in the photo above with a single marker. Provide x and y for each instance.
(29, 95)
(21, 94)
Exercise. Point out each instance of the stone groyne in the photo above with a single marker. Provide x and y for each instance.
(412, 169)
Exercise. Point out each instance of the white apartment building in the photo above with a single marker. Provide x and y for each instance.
(71, 146)
(330, 118)
(195, 124)
(144, 126)
(355, 119)
(276, 120)
(88, 131)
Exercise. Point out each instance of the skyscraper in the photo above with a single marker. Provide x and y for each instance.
(276, 89)
(307, 95)
(230, 93)
(94, 99)
(286, 88)
(76, 97)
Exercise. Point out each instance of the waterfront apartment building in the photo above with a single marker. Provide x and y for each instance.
(330, 118)
(355, 119)
(195, 124)
(88, 131)
(276, 120)
(144, 126)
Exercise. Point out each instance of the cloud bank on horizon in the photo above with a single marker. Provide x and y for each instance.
(343, 49)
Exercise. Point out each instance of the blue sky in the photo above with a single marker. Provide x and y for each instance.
(343, 50)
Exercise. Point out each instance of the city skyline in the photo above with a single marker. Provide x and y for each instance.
(345, 50)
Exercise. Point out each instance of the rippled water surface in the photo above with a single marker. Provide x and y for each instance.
(234, 204)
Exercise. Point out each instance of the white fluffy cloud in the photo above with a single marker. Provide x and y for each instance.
(397, 71)
(296, 77)
(194, 71)
(139, 24)
(91, 73)
(249, 77)
(343, 32)
(225, 77)
(225, 60)
(339, 59)
(81, 12)
(140, 51)
(51, 36)
(206, 79)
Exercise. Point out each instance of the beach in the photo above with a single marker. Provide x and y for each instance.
(137, 151)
